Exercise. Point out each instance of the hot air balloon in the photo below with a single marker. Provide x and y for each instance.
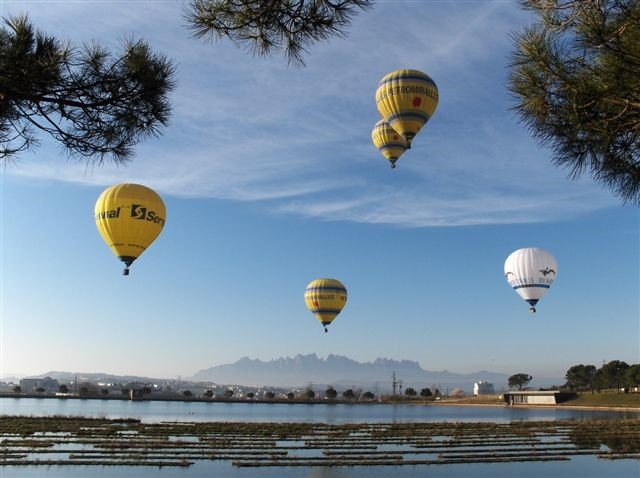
(129, 217)
(530, 272)
(390, 143)
(325, 298)
(407, 99)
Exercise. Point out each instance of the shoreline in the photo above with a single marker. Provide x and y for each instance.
(556, 406)
(440, 403)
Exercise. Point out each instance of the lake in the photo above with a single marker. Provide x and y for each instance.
(156, 411)
(153, 412)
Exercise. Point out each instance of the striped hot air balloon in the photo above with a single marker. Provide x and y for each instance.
(530, 271)
(388, 141)
(325, 298)
(407, 99)
(129, 217)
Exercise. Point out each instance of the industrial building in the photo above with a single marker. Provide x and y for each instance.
(537, 397)
(483, 388)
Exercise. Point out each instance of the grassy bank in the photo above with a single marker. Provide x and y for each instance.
(586, 399)
(612, 399)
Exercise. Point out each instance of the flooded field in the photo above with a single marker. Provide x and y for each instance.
(74, 441)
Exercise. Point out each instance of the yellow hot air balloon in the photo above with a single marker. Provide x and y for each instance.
(388, 141)
(407, 99)
(129, 217)
(325, 298)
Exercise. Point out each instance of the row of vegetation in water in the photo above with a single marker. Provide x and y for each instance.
(130, 442)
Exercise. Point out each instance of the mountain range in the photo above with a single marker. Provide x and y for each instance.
(342, 372)
(339, 371)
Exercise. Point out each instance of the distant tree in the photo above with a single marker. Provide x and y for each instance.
(519, 380)
(425, 392)
(349, 394)
(581, 377)
(410, 392)
(84, 391)
(104, 391)
(632, 375)
(228, 393)
(146, 390)
(39, 390)
(291, 395)
(95, 105)
(368, 395)
(575, 75)
(250, 395)
(17, 389)
(309, 394)
(612, 374)
(63, 388)
(267, 26)
(270, 395)
(436, 393)
(124, 391)
(330, 393)
(187, 393)
(208, 394)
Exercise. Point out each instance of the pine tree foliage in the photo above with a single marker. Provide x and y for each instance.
(575, 75)
(95, 105)
(265, 26)
(519, 380)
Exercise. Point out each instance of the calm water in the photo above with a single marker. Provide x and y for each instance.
(579, 466)
(280, 412)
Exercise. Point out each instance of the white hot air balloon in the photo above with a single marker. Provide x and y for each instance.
(530, 271)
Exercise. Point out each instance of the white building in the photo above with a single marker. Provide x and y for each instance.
(483, 388)
(537, 397)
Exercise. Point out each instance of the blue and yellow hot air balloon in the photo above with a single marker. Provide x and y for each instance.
(407, 99)
(129, 217)
(388, 141)
(325, 298)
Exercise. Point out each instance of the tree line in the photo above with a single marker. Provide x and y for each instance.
(615, 374)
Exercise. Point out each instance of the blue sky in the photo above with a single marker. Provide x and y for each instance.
(270, 181)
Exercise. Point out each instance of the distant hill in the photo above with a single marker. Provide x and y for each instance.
(9, 377)
(95, 377)
(342, 372)
(301, 370)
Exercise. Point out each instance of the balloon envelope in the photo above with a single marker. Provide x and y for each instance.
(325, 298)
(530, 272)
(388, 141)
(129, 217)
(407, 99)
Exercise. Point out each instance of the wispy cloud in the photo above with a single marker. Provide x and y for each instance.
(298, 140)
(417, 209)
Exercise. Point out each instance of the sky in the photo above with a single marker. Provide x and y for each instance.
(270, 180)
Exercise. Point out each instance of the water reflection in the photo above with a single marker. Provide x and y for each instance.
(608, 437)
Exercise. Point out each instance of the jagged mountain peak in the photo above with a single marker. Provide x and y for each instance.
(302, 369)
(386, 362)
